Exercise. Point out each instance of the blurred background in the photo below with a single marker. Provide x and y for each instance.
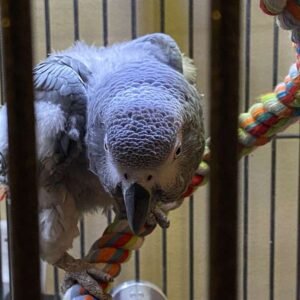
(177, 260)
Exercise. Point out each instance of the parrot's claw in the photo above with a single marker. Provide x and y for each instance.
(86, 278)
(160, 217)
(88, 275)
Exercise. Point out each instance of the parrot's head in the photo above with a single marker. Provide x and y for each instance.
(148, 154)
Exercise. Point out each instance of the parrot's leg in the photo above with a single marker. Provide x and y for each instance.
(84, 273)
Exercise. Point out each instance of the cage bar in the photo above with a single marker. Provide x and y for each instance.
(224, 95)
(77, 38)
(105, 22)
(47, 27)
(162, 15)
(273, 174)
(76, 20)
(298, 233)
(17, 51)
(246, 159)
(191, 200)
(133, 19)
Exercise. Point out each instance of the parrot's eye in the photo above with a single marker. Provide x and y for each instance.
(178, 151)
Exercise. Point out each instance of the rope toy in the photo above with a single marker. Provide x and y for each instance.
(109, 252)
(287, 13)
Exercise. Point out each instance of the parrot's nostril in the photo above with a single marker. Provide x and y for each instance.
(125, 176)
(149, 177)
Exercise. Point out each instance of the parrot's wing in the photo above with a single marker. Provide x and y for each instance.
(60, 82)
(165, 49)
(60, 86)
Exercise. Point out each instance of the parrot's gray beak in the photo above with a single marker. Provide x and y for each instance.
(137, 203)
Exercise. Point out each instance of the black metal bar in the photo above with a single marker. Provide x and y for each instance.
(47, 27)
(273, 176)
(137, 265)
(298, 231)
(105, 43)
(191, 28)
(56, 283)
(191, 248)
(17, 50)
(133, 36)
(76, 20)
(133, 19)
(224, 95)
(105, 22)
(164, 230)
(191, 200)
(76, 38)
(162, 15)
(164, 262)
(246, 159)
(82, 237)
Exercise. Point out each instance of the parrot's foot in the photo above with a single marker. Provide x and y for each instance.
(158, 216)
(86, 274)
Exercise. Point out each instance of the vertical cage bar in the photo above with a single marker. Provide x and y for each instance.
(56, 284)
(137, 265)
(224, 95)
(76, 20)
(164, 230)
(133, 19)
(105, 43)
(47, 27)
(191, 247)
(298, 233)
(191, 200)
(48, 51)
(246, 159)
(76, 38)
(162, 15)
(273, 174)
(164, 262)
(133, 36)
(17, 51)
(105, 22)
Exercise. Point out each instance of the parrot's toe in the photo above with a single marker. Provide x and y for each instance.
(88, 279)
(88, 275)
(161, 217)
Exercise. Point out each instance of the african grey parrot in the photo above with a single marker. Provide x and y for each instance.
(119, 126)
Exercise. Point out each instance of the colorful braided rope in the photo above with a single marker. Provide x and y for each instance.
(287, 13)
(109, 252)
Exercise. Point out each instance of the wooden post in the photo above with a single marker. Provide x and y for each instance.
(17, 59)
(224, 96)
